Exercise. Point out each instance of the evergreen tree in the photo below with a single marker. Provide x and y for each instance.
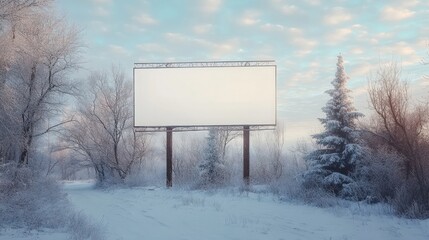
(331, 166)
(212, 169)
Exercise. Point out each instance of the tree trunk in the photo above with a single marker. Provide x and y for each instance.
(28, 139)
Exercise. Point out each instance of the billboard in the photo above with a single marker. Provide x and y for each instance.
(205, 96)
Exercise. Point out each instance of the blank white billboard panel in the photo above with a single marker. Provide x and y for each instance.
(205, 96)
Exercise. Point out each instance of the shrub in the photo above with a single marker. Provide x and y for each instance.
(80, 228)
(380, 173)
(30, 200)
(408, 201)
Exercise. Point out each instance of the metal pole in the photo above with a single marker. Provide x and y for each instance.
(169, 157)
(246, 155)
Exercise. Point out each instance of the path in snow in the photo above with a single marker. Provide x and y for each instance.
(158, 213)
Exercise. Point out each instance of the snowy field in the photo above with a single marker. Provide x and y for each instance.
(159, 213)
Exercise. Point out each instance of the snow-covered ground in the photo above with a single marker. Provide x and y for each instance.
(159, 213)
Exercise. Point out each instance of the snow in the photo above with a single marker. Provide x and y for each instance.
(43, 234)
(160, 213)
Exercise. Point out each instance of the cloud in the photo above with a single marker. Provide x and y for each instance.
(118, 50)
(384, 35)
(307, 76)
(411, 3)
(202, 28)
(100, 26)
(289, 9)
(249, 18)
(101, 12)
(101, 1)
(313, 2)
(361, 70)
(145, 19)
(396, 14)
(210, 6)
(338, 35)
(305, 51)
(337, 16)
(297, 38)
(295, 31)
(357, 51)
(180, 38)
(359, 91)
(227, 47)
(269, 27)
(134, 27)
(284, 7)
(422, 43)
(152, 47)
(364, 36)
(400, 48)
(215, 49)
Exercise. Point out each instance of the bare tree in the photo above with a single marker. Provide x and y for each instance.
(188, 151)
(13, 9)
(401, 125)
(275, 143)
(224, 137)
(36, 81)
(103, 133)
(12, 14)
(269, 154)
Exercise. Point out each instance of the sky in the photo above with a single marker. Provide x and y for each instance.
(303, 37)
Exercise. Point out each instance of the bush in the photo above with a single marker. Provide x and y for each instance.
(313, 178)
(30, 200)
(408, 201)
(292, 187)
(312, 196)
(355, 191)
(80, 228)
(380, 173)
(335, 182)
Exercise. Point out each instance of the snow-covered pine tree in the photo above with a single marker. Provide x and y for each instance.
(212, 169)
(331, 166)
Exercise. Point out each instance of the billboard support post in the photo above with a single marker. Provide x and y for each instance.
(246, 155)
(169, 157)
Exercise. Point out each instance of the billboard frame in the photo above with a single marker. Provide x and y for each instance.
(246, 128)
(206, 64)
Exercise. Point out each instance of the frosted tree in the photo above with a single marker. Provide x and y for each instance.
(16, 18)
(102, 134)
(34, 80)
(224, 137)
(212, 169)
(333, 163)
